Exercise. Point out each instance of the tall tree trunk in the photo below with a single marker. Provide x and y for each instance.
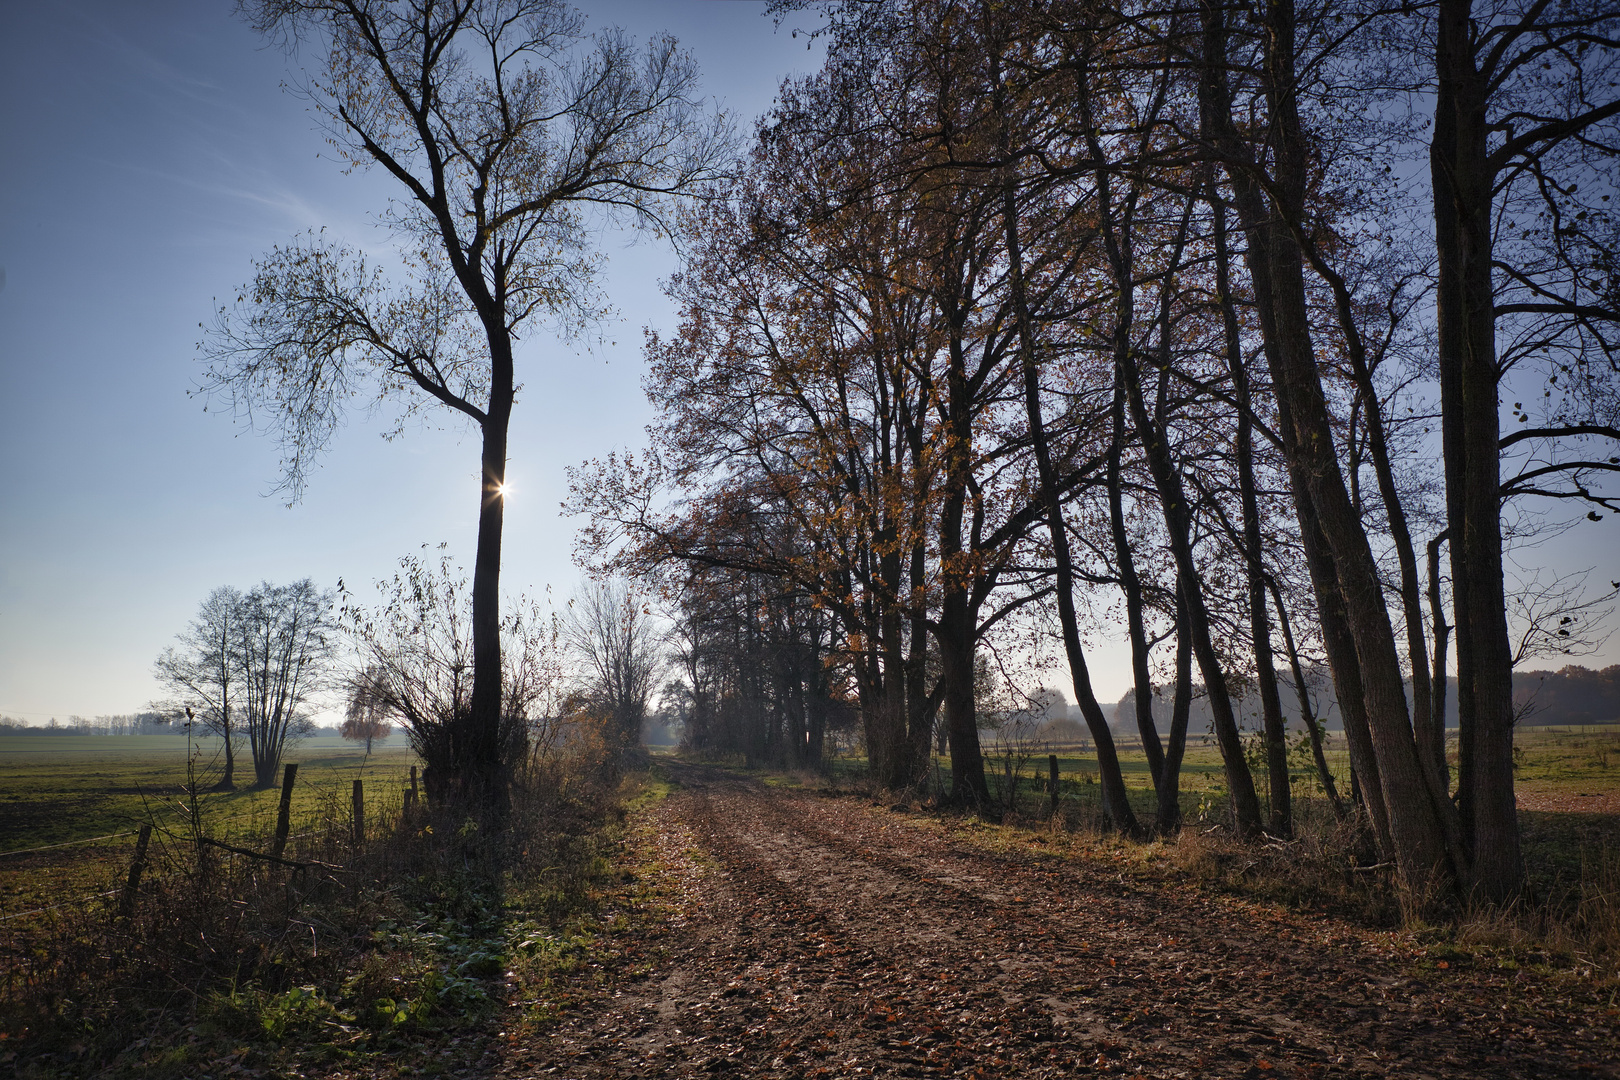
(956, 650)
(1463, 183)
(1115, 803)
(228, 781)
(1422, 848)
(921, 707)
(955, 633)
(480, 763)
(816, 716)
(892, 762)
(1131, 585)
(1116, 234)
(1276, 738)
(1169, 809)
(1337, 639)
(1431, 737)
(1178, 523)
(1442, 637)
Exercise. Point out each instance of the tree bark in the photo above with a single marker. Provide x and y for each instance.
(479, 764)
(1421, 847)
(1130, 585)
(1281, 818)
(1169, 809)
(228, 781)
(1463, 183)
(1442, 637)
(955, 632)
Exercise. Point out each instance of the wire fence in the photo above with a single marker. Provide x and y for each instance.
(68, 843)
(215, 826)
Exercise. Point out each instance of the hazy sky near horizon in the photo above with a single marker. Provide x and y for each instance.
(147, 155)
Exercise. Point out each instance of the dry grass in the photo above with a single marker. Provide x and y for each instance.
(343, 949)
(1576, 927)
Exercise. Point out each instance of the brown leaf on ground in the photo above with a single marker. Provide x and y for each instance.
(812, 936)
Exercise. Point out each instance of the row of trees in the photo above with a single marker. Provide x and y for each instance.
(252, 668)
(1572, 695)
(145, 723)
(1018, 308)
(755, 670)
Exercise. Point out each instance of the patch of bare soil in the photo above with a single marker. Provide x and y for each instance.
(1570, 802)
(817, 936)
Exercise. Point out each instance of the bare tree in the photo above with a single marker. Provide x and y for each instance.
(415, 653)
(283, 650)
(611, 631)
(364, 719)
(1526, 132)
(1557, 614)
(202, 674)
(503, 132)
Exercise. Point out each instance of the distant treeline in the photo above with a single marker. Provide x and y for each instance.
(1570, 695)
(143, 723)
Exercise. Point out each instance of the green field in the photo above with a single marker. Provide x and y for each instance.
(1202, 780)
(1549, 763)
(69, 805)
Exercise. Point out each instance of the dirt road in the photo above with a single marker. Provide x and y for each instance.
(819, 936)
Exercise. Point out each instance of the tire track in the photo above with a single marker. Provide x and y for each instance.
(828, 938)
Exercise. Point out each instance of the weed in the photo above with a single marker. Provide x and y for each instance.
(333, 951)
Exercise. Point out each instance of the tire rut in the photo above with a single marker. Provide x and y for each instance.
(831, 939)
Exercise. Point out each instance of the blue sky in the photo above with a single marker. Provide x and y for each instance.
(149, 154)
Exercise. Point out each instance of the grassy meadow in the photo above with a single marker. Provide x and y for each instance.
(1567, 780)
(80, 798)
(1551, 764)
(410, 944)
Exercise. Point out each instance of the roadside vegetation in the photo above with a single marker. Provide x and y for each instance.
(1568, 780)
(410, 938)
(439, 943)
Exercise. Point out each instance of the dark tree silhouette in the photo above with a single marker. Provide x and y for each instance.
(505, 130)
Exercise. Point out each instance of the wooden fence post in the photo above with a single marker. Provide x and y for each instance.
(126, 904)
(359, 813)
(284, 815)
(1052, 788)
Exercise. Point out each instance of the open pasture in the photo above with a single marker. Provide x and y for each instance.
(70, 805)
(1563, 769)
(1566, 779)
